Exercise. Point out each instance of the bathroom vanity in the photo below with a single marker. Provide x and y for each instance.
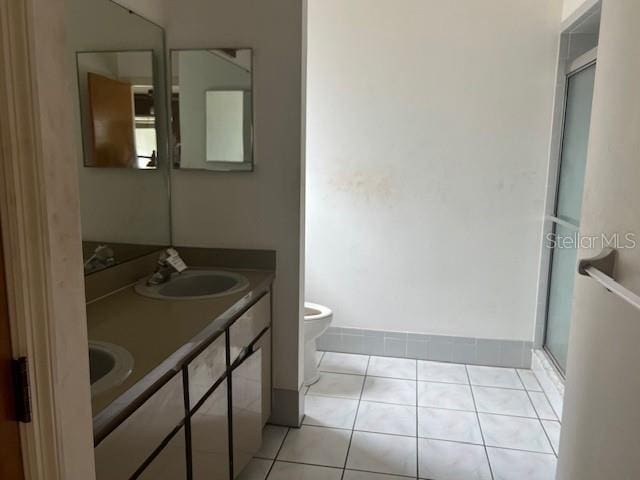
(199, 392)
(180, 362)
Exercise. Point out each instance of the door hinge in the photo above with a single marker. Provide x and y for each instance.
(22, 390)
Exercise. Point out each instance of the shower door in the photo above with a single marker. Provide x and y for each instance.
(566, 219)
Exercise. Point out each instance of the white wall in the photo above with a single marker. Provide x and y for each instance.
(571, 6)
(153, 10)
(601, 417)
(428, 136)
(261, 209)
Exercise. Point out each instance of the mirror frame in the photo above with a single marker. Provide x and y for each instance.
(246, 166)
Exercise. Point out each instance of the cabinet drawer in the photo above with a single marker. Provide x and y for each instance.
(248, 326)
(246, 402)
(171, 462)
(124, 450)
(206, 369)
(210, 437)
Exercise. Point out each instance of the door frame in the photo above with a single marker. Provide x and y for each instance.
(566, 68)
(578, 65)
(39, 210)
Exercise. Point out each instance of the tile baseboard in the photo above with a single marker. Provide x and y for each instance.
(443, 348)
(287, 407)
(549, 379)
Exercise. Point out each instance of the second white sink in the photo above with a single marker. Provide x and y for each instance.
(194, 284)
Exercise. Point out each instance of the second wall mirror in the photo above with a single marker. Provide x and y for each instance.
(212, 109)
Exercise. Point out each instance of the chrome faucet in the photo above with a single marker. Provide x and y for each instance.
(102, 257)
(169, 263)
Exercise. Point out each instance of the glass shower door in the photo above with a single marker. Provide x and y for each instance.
(567, 212)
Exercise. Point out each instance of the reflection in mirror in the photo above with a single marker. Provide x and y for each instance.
(226, 130)
(117, 109)
(121, 121)
(212, 109)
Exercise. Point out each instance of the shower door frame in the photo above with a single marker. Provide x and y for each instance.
(550, 220)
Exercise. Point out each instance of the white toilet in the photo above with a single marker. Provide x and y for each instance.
(317, 319)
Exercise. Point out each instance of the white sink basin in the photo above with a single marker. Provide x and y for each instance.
(194, 285)
(109, 366)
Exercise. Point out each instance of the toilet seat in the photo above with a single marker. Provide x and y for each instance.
(314, 311)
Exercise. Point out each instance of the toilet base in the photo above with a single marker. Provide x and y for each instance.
(311, 374)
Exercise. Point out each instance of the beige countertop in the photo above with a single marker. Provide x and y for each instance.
(160, 335)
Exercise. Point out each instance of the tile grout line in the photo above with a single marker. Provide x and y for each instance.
(439, 382)
(426, 407)
(529, 392)
(546, 435)
(484, 443)
(355, 419)
(275, 459)
(338, 468)
(546, 396)
(535, 410)
(439, 439)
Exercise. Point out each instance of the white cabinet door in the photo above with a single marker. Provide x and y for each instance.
(171, 462)
(206, 369)
(125, 449)
(246, 395)
(210, 437)
(249, 325)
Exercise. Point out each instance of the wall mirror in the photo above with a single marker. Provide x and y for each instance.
(212, 109)
(118, 59)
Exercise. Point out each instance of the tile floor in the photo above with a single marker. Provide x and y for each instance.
(381, 418)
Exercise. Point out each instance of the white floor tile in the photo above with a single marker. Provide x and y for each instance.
(375, 452)
(529, 380)
(451, 425)
(297, 471)
(551, 390)
(344, 363)
(389, 390)
(316, 445)
(542, 406)
(330, 411)
(512, 465)
(386, 418)
(272, 437)
(337, 385)
(392, 368)
(256, 469)
(442, 372)
(494, 377)
(355, 475)
(514, 432)
(557, 402)
(453, 461)
(445, 395)
(503, 401)
(553, 432)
